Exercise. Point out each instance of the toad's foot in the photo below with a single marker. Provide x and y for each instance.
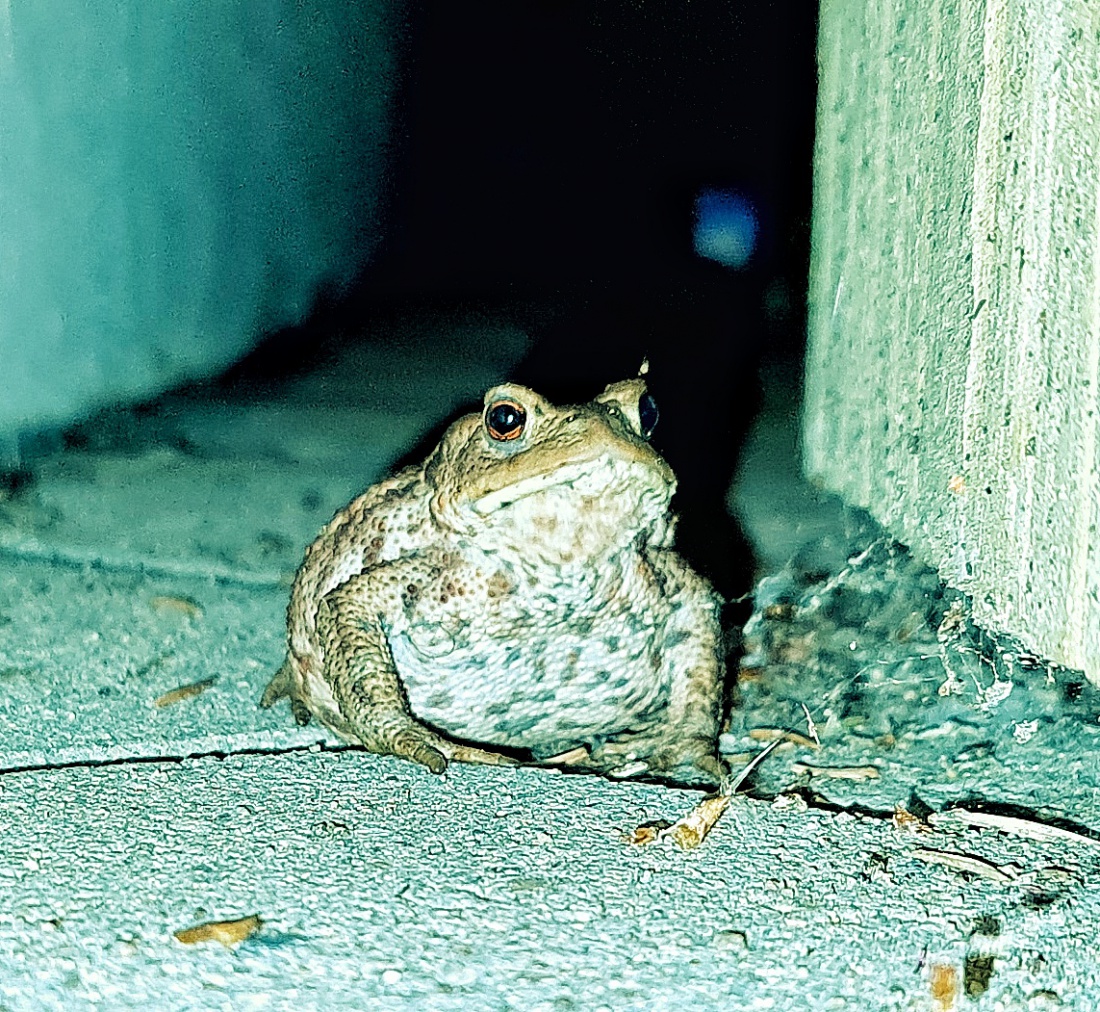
(396, 733)
(690, 758)
(401, 735)
(470, 754)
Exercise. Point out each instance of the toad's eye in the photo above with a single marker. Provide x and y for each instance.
(505, 420)
(647, 414)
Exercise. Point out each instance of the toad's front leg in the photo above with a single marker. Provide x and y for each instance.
(360, 669)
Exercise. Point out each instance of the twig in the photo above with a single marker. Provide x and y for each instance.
(1030, 829)
(691, 830)
(1004, 874)
(837, 772)
(810, 725)
(778, 735)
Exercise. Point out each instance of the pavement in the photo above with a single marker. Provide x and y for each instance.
(144, 573)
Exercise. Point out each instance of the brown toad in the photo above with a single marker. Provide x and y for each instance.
(519, 591)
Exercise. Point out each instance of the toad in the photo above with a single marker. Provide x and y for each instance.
(515, 598)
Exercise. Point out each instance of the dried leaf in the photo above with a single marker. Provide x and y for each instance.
(905, 820)
(229, 933)
(184, 692)
(647, 832)
(943, 982)
(977, 973)
(691, 830)
(180, 605)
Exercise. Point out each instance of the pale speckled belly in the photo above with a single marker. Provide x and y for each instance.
(547, 691)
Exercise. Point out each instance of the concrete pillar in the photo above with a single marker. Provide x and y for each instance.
(954, 360)
(175, 179)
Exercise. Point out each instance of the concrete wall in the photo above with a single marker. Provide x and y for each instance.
(952, 382)
(175, 178)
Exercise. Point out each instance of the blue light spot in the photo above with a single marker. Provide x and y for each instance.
(725, 227)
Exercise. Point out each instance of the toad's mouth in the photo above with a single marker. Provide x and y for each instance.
(585, 478)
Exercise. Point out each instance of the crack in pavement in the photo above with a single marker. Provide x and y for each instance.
(137, 760)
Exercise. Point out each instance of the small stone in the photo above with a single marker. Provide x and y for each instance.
(731, 940)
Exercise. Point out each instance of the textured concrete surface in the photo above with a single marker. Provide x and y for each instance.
(157, 556)
(383, 887)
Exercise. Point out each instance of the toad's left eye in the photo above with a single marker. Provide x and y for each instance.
(505, 420)
(647, 414)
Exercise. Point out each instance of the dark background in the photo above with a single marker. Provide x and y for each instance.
(544, 165)
(553, 144)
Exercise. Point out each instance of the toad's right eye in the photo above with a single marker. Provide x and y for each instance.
(505, 420)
